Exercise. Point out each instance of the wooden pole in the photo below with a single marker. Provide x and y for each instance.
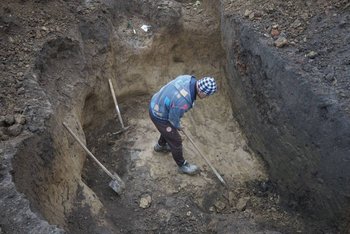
(88, 151)
(116, 103)
(201, 154)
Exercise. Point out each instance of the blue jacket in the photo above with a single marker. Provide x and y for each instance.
(173, 100)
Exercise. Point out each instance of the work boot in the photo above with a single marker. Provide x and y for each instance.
(189, 169)
(162, 149)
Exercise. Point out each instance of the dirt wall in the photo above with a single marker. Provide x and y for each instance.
(292, 119)
(47, 165)
(43, 167)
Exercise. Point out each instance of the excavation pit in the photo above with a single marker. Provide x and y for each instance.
(157, 197)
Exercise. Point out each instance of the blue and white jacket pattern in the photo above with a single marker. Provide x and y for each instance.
(173, 100)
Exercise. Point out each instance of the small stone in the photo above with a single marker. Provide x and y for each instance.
(252, 15)
(247, 13)
(275, 32)
(258, 14)
(280, 42)
(242, 203)
(268, 29)
(145, 201)
(296, 23)
(17, 110)
(3, 137)
(21, 91)
(14, 130)
(18, 84)
(188, 213)
(346, 61)
(275, 26)
(220, 206)
(211, 209)
(264, 186)
(38, 34)
(270, 10)
(342, 24)
(44, 28)
(231, 198)
(9, 119)
(212, 226)
(197, 3)
(20, 119)
(311, 54)
(79, 9)
(33, 128)
(2, 121)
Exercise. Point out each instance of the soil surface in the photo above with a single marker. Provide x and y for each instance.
(157, 198)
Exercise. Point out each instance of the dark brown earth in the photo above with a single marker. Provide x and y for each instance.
(40, 47)
(314, 30)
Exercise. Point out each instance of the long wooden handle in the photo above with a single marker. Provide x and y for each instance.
(87, 151)
(115, 102)
(201, 154)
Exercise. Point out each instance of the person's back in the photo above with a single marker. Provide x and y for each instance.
(173, 100)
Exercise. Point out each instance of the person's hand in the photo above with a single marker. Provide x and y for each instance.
(182, 127)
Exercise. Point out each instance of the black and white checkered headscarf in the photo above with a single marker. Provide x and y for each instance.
(207, 85)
